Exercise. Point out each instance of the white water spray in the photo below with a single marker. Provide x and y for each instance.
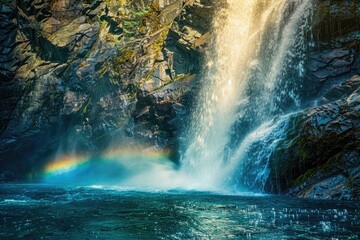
(248, 167)
(254, 43)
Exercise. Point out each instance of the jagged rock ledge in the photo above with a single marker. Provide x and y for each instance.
(320, 155)
(78, 76)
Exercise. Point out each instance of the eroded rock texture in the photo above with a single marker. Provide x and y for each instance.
(79, 75)
(334, 56)
(320, 156)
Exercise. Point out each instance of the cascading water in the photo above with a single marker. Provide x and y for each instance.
(249, 165)
(253, 73)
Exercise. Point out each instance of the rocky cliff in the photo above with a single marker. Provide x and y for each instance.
(80, 75)
(320, 156)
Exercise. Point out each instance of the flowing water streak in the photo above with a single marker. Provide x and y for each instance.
(292, 34)
(246, 33)
(248, 167)
(209, 127)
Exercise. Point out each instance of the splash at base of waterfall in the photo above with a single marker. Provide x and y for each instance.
(249, 166)
(246, 172)
(131, 169)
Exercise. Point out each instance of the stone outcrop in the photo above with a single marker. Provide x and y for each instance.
(79, 75)
(335, 19)
(320, 156)
(334, 53)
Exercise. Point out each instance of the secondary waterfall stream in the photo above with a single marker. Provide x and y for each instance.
(253, 73)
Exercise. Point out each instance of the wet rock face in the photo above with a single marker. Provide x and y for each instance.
(80, 75)
(9, 89)
(331, 63)
(342, 90)
(320, 156)
(335, 19)
(334, 56)
(8, 28)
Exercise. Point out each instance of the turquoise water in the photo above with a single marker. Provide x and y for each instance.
(53, 212)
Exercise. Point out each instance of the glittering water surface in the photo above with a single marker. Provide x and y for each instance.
(52, 212)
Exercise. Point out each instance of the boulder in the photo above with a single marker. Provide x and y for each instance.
(320, 155)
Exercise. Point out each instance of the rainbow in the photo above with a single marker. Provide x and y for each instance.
(124, 156)
(131, 153)
(63, 164)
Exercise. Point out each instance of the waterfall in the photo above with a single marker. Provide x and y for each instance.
(253, 72)
(248, 167)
